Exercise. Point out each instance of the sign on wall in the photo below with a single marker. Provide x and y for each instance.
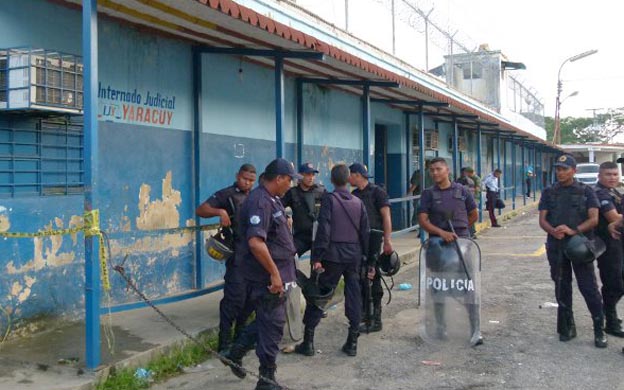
(137, 107)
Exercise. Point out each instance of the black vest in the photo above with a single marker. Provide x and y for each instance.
(568, 205)
(305, 206)
(441, 211)
(368, 198)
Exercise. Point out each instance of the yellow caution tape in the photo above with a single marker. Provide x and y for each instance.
(91, 228)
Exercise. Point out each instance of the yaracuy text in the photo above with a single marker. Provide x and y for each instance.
(132, 107)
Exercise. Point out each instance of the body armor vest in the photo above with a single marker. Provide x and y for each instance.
(305, 205)
(374, 215)
(346, 213)
(441, 211)
(568, 205)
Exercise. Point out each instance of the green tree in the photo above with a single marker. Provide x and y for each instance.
(568, 126)
(603, 128)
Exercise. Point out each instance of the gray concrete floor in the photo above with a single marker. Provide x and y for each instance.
(33, 362)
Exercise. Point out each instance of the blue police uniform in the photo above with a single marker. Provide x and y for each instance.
(341, 243)
(441, 205)
(374, 199)
(569, 205)
(233, 307)
(262, 215)
(454, 203)
(304, 205)
(610, 262)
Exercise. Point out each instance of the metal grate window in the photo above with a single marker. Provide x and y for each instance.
(41, 157)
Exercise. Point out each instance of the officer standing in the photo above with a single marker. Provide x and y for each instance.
(377, 205)
(610, 262)
(443, 204)
(340, 245)
(267, 255)
(491, 183)
(304, 200)
(466, 179)
(225, 204)
(568, 208)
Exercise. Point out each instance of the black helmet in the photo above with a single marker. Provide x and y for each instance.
(580, 250)
(314, 294)
(389, 264)
(219, 247)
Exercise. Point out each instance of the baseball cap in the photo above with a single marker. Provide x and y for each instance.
(566, 161)
(467, 169)
(359, 168)
(307, 168)
(281, 166)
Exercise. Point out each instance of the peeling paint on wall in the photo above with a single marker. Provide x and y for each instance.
(160, 213)
(47, 250)
(5, 224)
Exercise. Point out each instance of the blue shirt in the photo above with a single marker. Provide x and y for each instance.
(455, 202)
(229, 199)
(263, 216)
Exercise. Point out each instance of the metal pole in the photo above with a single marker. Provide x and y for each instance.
(197, 133)
(479, 140)
(514, 175)
(524, 165)
(279, 107)
(498, 156)
(366, 136)
(408, 162)
(299, 92)
(421, 161)
(393, 28)
(455, 148)
(505, 181)
(91, 177)
(535, 163)
(346, 15)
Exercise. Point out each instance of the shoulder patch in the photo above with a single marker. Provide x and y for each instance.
(604, 203)
(254, 219)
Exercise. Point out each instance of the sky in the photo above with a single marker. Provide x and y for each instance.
(542, 34)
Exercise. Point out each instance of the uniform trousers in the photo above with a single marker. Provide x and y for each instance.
(234, 305)
(353, 303)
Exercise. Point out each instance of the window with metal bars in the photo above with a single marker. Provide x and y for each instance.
(41, 156)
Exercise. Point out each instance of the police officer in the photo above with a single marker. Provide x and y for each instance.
(267, 255)
(467, 180)
(377, 205)
(610, 262)
(225, 204)
(443, 202)
(491, 184)
(304, 200)
(567, 208)
(340, 245)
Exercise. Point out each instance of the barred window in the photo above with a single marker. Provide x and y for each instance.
(41, 156)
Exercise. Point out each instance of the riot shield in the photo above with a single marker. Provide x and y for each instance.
(294, 309)
(450, 287)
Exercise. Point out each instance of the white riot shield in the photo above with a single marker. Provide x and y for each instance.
(294, 309)
(450, 287)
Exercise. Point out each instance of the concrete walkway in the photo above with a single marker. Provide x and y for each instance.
(54, 360)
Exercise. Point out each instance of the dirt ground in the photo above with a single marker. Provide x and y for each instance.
(521, 349)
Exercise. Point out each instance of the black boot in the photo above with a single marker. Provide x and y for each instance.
(244, 343)
(600, 340)
(565, 324)
(613, 326)
(267, 379)
(307, 345)
(224, 342)
(350, 346)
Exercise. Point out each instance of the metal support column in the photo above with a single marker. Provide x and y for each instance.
(498, 156)
(408, 165)
(279, 107)
(455, 148)
(366, 131)
(505, 171)
(421, 160)
(514, 175)
(535, 165)
(478, 168)
(91, 183)
(197, 132)
(524, 165)
(299, 92)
